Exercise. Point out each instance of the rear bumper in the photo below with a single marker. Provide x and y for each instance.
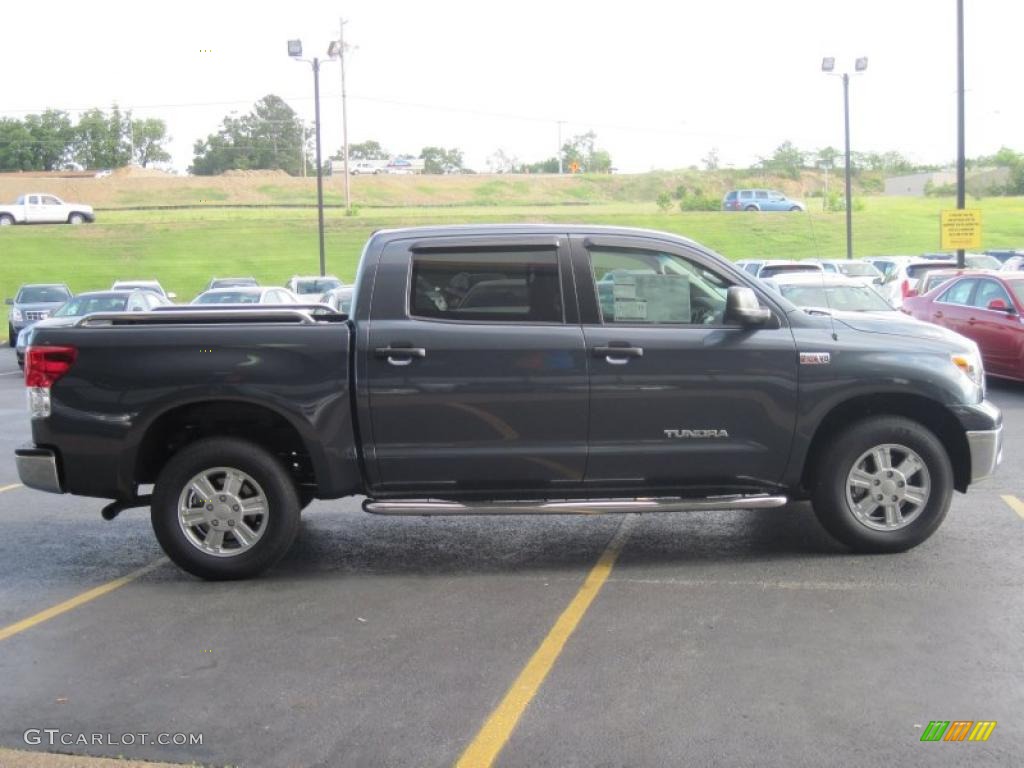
(986, 452)
(37, 468)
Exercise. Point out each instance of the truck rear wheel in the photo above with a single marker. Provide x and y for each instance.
(225, 508)
(883, 485)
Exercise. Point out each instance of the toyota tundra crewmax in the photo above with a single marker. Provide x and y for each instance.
(516, 369)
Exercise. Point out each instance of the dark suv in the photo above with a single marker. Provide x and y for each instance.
(33, 303)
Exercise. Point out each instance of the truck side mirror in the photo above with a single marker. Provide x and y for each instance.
(742, 308)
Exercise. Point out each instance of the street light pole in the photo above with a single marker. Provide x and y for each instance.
(295, 51)
(827, 65)
(344, 112)
(560, 147)
(319, 165)
(849, 206)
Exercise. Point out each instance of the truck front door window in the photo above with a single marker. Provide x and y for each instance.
(654, 288)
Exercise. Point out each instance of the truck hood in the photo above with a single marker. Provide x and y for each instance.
(40, 306)
(901, 325)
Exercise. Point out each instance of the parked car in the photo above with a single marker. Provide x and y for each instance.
(1004, 254)
(425, 406)
(750, 265)
(143, 285)
(759, 200)
(901, 274)
(971, 260)
(339, 299)
(781, 266)
(43, 208)
(375, 167)
(986, 308)
(936, 277)
(311, 286)
(89, 303)
(1014, 264)
(832, 293)
(33, 302)
(230, 282)
(247, 295)
(861, 271)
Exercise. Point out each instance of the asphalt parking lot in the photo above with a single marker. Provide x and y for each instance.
(702, 639)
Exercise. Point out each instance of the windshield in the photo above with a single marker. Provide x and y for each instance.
(982, 261)
(319, 285)
(86, 305)
(849, 298)
(229, 297)
(42, 294)
(915, 271)
(858, 269)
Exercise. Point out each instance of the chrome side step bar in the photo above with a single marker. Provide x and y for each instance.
(572, 507)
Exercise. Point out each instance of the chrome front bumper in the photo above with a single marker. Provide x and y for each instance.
(37, 468)
(986, 452)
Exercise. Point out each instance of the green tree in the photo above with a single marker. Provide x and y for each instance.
(52, 135)
(91, 143)
(367, 150)
(710, 160)
(148, 137)
(786, 160)
(270, 137)
(581, 150)
(16, 148)
(440, 160)
(826, 157)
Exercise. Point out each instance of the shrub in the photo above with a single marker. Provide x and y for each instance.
(664, 201)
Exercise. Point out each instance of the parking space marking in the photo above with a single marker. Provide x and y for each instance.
(489, 741)
(103, 589)
(1015, 504)
(10, 487)
(12, 373)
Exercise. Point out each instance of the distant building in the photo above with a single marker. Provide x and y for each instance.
(979, 181)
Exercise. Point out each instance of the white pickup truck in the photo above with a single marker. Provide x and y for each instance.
(43, 208)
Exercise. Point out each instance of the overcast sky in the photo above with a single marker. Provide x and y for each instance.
(661, 83)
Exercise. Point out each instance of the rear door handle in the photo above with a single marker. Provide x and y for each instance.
(618, 355)
(972, 321)
(400, 355)
(937, 314)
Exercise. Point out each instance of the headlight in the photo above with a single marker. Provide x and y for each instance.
(969, 364)
(16, 315)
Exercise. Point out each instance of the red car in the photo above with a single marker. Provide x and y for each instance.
(987, 308)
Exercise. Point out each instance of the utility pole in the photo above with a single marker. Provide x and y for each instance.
(344, 113)
(560, 171)
(961, 149)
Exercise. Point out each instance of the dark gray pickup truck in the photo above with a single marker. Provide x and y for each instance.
(507, 370)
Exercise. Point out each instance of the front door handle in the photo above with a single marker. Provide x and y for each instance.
(937, 314)
(400, 355)
(618, 355)
(972, 321)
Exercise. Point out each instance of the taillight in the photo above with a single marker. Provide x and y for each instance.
(45, 365)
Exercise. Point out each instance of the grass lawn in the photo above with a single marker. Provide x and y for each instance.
(183, 248)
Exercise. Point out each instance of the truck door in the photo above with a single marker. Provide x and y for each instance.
(678, 398)
(53, 210)
(475, 367)
(35, 211)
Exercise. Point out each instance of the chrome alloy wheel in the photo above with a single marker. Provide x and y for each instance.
(223, 512)
(888, 487)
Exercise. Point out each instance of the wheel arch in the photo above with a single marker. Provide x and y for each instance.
(925, 411)
(184, 423)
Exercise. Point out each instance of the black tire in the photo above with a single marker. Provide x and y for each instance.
(12, 337)
(795, 208)
(751, 208)
(76, 218)
(282, 519)
(6, 220)
(830, 498)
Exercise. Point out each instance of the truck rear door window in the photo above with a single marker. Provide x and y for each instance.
(521, 286)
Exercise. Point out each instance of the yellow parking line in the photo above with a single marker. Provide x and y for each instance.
(10, 487)
(489, 741)
(77, 600)
(1015, 504)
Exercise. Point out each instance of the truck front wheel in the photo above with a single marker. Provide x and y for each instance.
(883, 485)
(225, 508)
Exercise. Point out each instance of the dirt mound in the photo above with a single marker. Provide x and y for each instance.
(262, 174)
(137, 171)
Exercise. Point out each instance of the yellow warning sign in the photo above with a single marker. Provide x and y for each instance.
(961, 229)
